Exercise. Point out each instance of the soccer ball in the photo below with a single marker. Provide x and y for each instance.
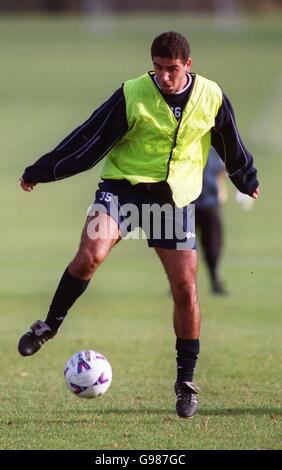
(88, 374)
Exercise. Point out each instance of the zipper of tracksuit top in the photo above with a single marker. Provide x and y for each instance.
(179, 122)
(173, 146)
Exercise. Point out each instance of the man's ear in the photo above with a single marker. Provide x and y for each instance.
(188, 65)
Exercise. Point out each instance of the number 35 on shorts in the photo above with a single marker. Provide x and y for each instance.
(105, 196)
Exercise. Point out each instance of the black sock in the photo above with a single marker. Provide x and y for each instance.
(213, 271)
(68, 290)
(186, 358)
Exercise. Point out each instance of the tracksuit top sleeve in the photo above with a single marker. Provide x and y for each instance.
(85, 146)
(227, 142)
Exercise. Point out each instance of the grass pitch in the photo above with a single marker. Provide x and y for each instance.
(56, 71)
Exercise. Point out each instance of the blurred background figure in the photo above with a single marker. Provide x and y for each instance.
(209, 224)
(245, 201)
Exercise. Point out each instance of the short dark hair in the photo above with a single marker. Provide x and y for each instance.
(172, 45)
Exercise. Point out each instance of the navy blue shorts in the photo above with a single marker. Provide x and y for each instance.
(148, 206)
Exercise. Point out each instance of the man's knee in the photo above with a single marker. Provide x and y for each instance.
(184, 293)
(87, 261)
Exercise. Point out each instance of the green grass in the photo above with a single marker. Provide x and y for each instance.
(55, 72)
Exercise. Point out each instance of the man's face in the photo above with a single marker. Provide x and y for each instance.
(171, 73)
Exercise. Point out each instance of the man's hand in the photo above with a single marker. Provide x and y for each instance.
(256, 193)
(26, 186)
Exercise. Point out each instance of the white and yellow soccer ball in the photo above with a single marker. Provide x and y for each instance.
(88, 374)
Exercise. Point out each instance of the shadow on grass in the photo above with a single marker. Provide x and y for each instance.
(76, 416)
(272, 412)
(240, 411)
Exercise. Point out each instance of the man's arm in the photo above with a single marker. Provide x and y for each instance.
(84, 147)
(226, 140)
